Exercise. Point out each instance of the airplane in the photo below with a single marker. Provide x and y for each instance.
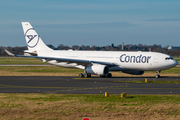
(95, 62)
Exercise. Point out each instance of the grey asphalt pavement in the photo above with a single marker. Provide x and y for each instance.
(75, 85)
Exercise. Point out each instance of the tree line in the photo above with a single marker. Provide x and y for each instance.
(128, 47)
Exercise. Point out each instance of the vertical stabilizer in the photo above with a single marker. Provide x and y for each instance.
(33, 40)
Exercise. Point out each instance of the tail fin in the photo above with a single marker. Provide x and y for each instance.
(33, 40)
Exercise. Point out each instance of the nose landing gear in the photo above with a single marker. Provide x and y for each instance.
(157, 74)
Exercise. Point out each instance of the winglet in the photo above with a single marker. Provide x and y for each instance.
(9, 53)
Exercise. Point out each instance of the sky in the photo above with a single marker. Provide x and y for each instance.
(92, 22)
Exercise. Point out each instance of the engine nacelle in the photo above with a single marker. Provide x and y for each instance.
(98, 69)
(133, 72)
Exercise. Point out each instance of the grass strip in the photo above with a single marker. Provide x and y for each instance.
(94, 106)
(20, 61)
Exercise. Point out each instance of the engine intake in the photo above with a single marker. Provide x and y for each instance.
(133, 72)
(97, 69)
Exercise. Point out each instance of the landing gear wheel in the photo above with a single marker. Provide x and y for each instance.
(81, 75)
(88, 75)
(109, 75)
(85, 75)
(157, 76)
(102, 76)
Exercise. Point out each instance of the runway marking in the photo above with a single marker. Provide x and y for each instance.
(113, 87)
(149, 88)
(14, 86)
(82, 78)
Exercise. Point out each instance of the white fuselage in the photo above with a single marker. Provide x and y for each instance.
(122, 60)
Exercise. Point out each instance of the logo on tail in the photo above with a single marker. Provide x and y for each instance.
(31, 37)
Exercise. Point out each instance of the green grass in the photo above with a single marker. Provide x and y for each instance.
(77, 106)
(178, 60)
(131, 100)
(91, 98)
(137, 99)
(18, 60)
(175, 70)
(50, 69)
(39, 69)
(51, 97)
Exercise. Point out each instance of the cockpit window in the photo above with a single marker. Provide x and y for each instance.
(168, 58)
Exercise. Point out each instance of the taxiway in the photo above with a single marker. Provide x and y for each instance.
(74, 85)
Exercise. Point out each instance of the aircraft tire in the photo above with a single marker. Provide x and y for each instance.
(101, 76)
(88, 75)
(157, 76)
(109, 75)
(85, 75)
(81, 75)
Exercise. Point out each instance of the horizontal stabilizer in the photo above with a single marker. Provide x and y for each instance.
(9, 53)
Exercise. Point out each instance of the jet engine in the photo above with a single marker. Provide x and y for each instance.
(133, 72)
(97, 70)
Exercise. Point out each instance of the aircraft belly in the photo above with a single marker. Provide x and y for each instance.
(116, 68)
(137, 66)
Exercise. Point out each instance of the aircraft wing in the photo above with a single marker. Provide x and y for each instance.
(69, 60)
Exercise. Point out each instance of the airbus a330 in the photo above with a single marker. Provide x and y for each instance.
(95, 62)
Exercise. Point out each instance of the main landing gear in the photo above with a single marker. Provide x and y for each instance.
(108, 75)
(85, 75)
(157, 74)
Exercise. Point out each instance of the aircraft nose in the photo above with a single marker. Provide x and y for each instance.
(175, 63)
